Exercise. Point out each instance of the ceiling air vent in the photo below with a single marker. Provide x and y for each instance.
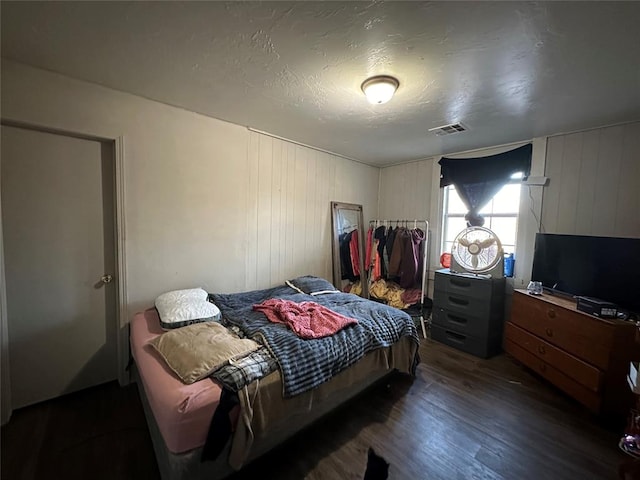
(449, 129)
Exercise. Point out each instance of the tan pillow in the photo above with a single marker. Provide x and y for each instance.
(196, 351)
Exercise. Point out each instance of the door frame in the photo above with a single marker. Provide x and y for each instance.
(122, 325)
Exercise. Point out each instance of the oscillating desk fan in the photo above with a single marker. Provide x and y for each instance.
(477, 250)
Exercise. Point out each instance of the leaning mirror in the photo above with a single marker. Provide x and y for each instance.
(348, 251)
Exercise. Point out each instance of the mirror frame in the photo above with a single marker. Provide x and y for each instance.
(336, 207)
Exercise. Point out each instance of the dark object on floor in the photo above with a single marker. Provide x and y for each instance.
(377, 467)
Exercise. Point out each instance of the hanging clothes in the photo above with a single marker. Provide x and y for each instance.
(379, 235)
(397, 253)
(403, 253)
(377, 264)
(391, 236)
(411, 264)
(368, 248)
(405, 263)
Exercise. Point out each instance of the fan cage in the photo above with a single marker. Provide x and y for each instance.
(485, 241)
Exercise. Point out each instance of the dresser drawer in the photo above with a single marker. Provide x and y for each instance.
(465, 306)
(578, 391)
(480, 347)
(463, 323)
(583, 373)
(588, 339)
(461, 285)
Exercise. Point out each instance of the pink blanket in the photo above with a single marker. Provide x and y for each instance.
(307, 319)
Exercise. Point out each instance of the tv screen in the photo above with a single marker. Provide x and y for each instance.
(607, 268)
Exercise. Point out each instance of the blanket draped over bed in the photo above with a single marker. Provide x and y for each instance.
(305, 364)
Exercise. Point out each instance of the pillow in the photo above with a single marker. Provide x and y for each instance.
(180, 308)
(196, 351)
(312, 285)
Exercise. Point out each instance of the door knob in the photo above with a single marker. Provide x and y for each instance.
(106, 278)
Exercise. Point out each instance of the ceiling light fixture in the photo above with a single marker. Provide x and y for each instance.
(380, 89)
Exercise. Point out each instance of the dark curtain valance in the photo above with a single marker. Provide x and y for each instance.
(478, 179)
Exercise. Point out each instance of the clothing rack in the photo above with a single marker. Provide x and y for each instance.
(407, 223)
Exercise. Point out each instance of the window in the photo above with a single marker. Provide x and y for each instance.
(500, 215)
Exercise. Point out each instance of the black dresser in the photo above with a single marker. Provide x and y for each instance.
(468, 312)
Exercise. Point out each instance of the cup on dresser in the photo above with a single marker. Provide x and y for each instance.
(534, 288)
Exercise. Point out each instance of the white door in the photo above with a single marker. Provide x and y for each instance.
(58, 226)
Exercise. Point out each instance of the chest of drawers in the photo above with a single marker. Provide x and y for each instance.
(585, 356)
(468, 312)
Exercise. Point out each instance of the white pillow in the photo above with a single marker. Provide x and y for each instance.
(180, 308)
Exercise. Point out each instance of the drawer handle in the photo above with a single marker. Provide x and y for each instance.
(459, 283)
(543, 367)
(454, 319)
(455, 337)
(549, 332)
(541, 349)
(458, 301)
(551, 313)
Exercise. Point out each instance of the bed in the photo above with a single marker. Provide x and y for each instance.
(270, 409)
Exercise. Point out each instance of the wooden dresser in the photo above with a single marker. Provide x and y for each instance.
(585, 356)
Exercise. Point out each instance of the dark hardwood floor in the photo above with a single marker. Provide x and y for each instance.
(461, 418)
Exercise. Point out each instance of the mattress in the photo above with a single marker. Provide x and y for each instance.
(183, 412)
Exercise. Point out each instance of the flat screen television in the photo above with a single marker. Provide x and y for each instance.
(607, 268)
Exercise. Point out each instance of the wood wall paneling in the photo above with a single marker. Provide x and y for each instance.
(289, 191)
(405, 191)
(251, 215)
(587, 182)
(594, 177)
(289, 222)
(568, 200)
(551, 196)
(607, 178)
(628, 214)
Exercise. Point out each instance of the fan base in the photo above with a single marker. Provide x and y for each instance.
(496, 271)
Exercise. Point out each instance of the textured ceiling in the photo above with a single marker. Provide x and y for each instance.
(509, 71)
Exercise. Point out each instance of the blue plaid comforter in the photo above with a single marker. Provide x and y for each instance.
(306, 364)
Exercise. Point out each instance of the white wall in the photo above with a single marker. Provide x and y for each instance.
(594, 182)
(208, 203)
(288, 213)
(405, 190)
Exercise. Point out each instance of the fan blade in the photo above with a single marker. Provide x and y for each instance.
(463, 241)
(487, 242)
(474, 261)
